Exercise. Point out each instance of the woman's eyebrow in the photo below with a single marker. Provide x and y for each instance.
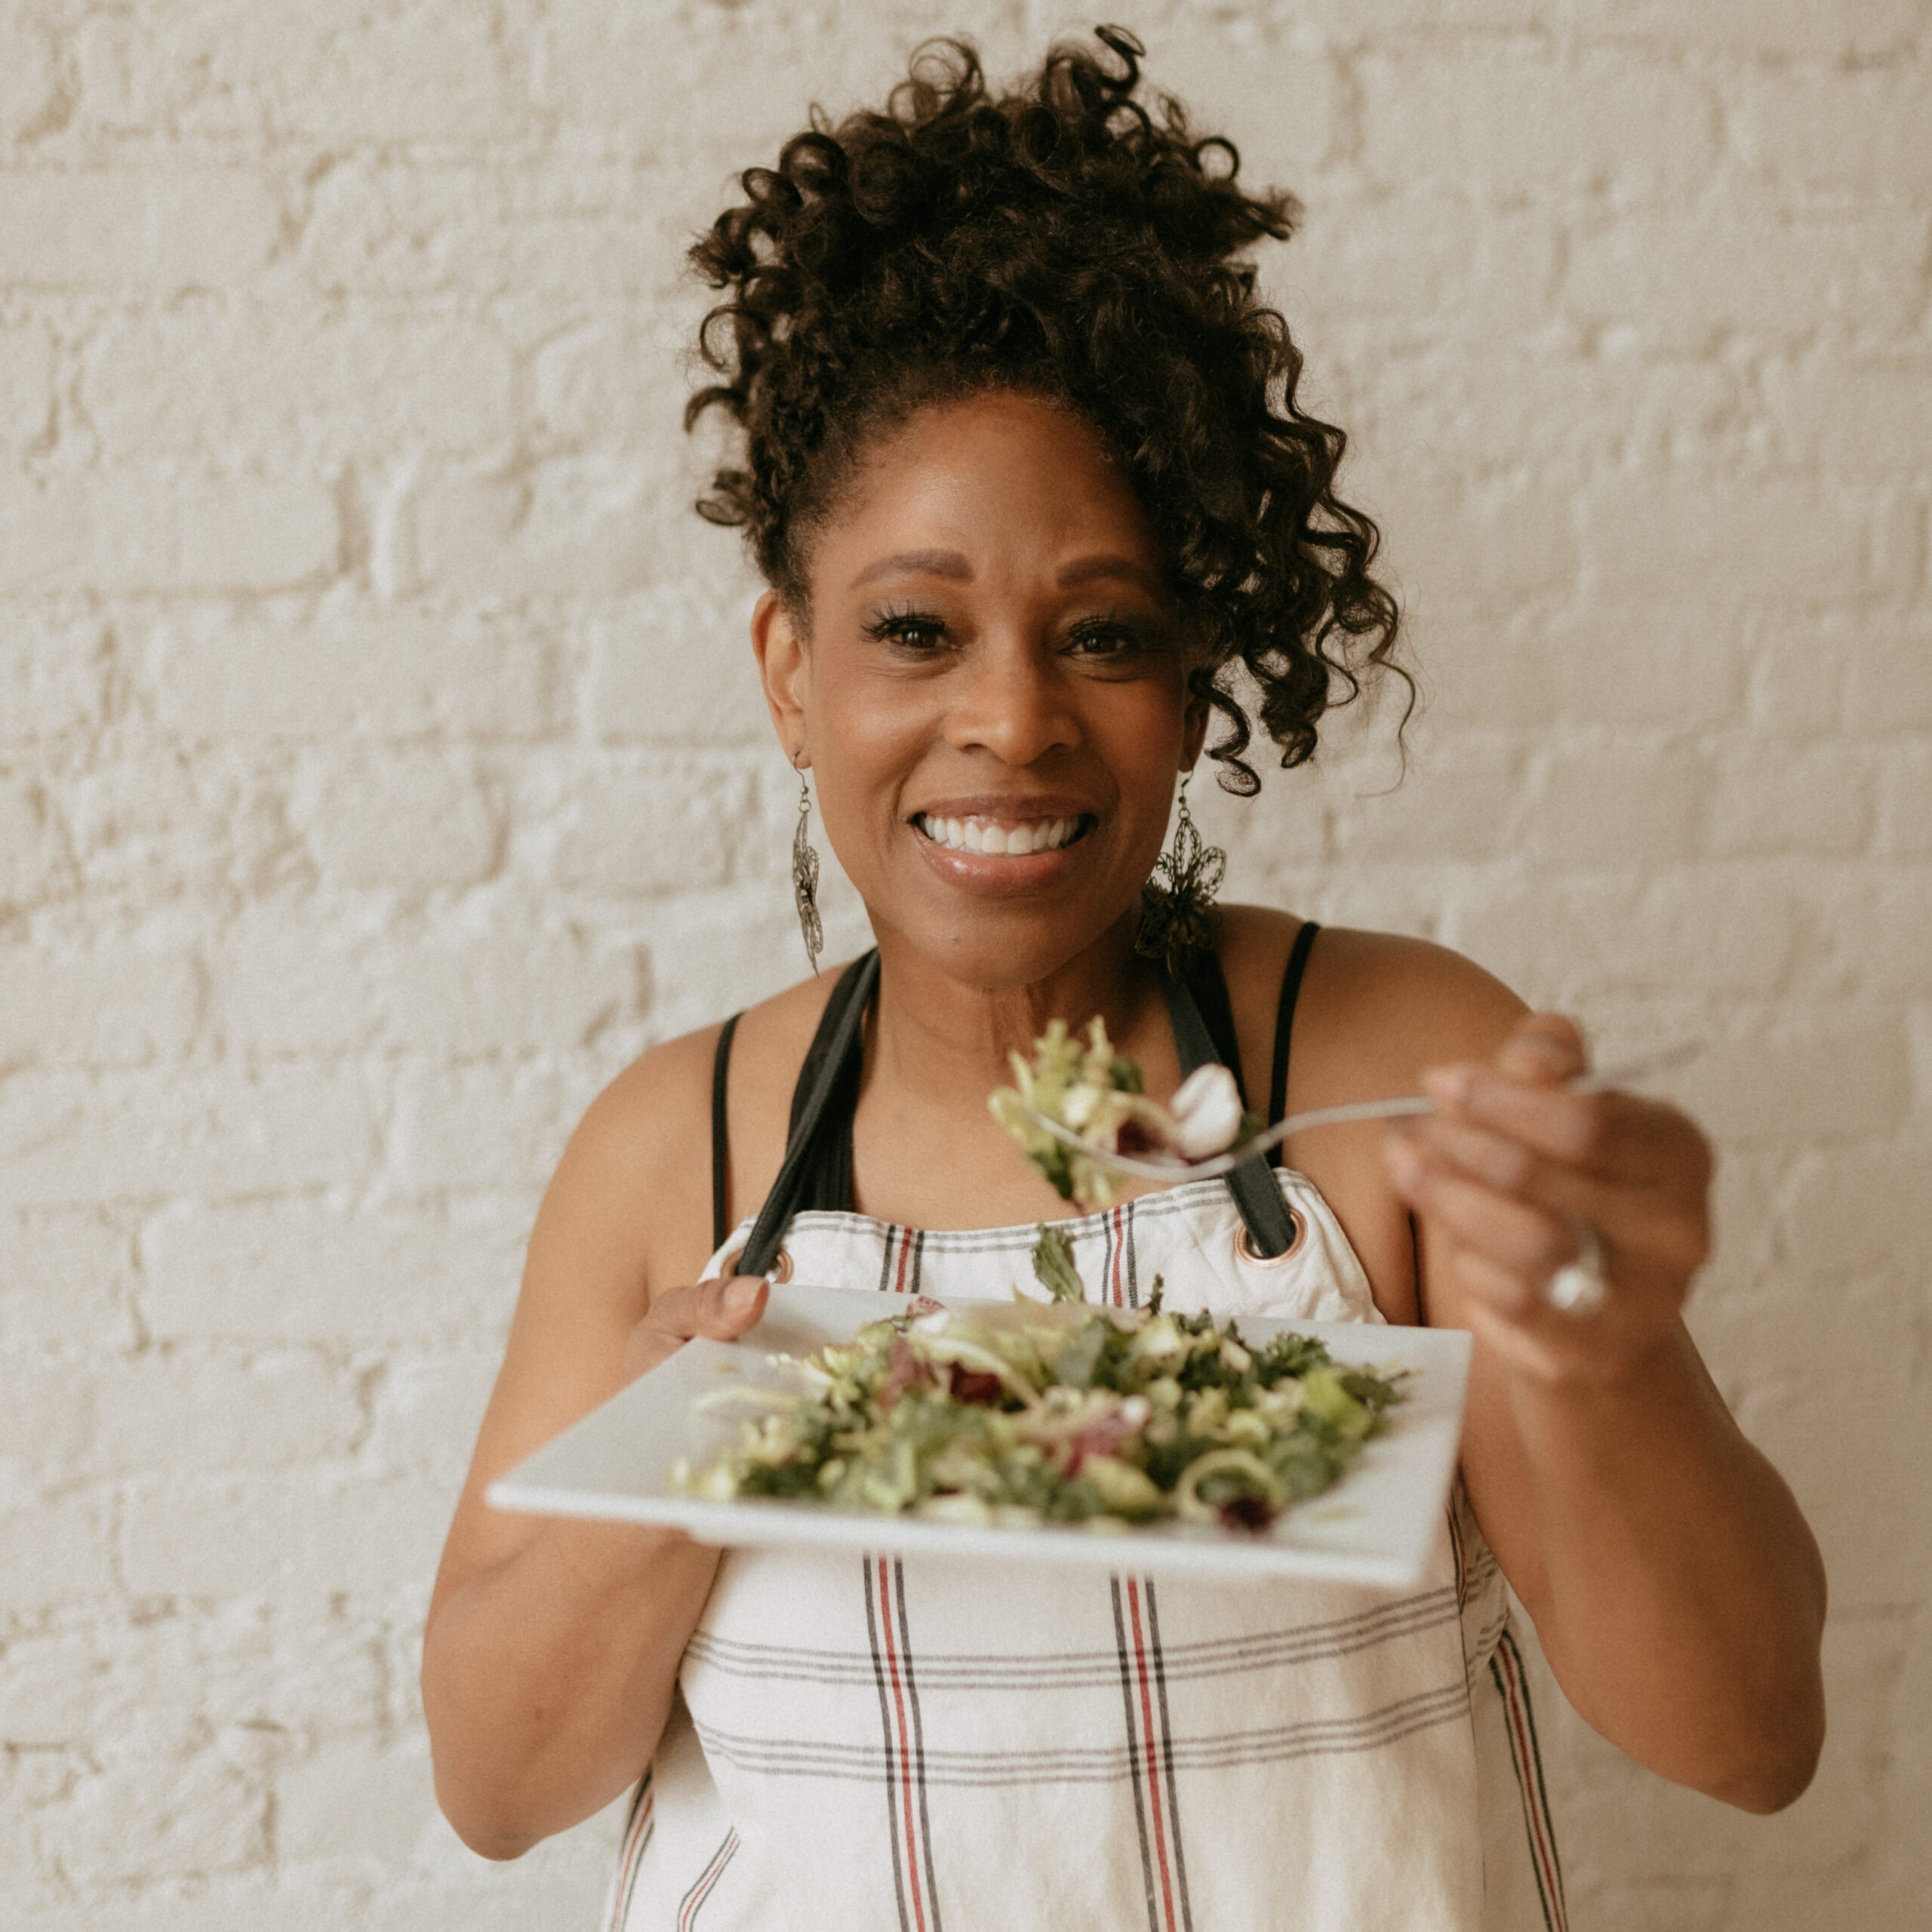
(953, 564)
(915, 563)
(1086, 570)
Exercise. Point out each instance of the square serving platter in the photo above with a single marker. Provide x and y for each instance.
(1375, 1526)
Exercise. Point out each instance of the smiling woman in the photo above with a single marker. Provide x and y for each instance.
(1025, 474)
(995, 671)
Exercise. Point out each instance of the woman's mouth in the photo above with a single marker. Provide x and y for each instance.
(1020, 837)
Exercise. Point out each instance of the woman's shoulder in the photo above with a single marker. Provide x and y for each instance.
(665, 1095)
(1374, 1009)
(647, 1137)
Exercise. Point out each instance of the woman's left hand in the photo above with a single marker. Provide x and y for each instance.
(1501, 1174)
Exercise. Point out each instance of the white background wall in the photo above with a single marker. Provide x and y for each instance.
(380, 769)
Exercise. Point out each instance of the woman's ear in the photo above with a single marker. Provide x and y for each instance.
(785, 669)
(1194, 722)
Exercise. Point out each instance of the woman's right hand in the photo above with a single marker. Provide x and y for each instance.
(721, 1310)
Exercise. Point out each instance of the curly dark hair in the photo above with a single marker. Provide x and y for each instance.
(1068, 240)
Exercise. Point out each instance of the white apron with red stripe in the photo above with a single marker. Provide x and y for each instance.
(864, 1744)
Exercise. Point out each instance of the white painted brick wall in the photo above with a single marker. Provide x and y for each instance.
(381, 767)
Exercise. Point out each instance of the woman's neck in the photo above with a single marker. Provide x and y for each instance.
(948, 1041)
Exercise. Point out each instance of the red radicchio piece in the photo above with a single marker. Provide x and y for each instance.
(975, 1385)
(1247, 1512)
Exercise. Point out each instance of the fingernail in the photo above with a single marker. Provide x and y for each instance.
(1448, 1086)
(1554, 1055)
(742, 1296)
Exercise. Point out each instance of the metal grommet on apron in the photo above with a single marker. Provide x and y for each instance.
(780, 1269)
(1250, 1256)
(1270, 1232)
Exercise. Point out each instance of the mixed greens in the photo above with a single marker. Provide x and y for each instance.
(1098, 1095)
(1056, 1412)
(1032, 1412)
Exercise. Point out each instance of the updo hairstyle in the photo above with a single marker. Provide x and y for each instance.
(1070, 241)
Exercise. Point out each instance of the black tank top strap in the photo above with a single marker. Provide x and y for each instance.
(720, 1135)
(1271, 1229)
(1285, 1022)
(832, 1072)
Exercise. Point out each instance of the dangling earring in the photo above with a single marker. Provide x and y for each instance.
(805, 874)
(1177, 903)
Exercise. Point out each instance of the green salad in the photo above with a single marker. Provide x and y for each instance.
(1032, 1412)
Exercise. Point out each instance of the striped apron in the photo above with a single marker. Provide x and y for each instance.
(870, 1744)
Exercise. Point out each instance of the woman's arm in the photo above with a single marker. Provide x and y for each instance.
(1675, 1587)
(552, 1646)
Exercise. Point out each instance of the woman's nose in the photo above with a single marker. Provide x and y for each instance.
(1009, 700)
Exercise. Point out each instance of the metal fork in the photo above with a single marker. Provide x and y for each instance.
(1172, 1171)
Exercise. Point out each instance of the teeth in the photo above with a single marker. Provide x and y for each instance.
(976, 835)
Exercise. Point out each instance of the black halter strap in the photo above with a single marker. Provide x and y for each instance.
(1285, 1022)
(720, 1137)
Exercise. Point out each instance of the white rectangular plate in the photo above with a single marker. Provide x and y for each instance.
(1375, 1526)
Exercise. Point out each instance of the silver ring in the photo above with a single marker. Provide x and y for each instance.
(1580, 1287)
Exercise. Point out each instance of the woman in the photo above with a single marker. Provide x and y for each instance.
(1026, 476)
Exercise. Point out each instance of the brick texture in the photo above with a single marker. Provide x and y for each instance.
(381, 768)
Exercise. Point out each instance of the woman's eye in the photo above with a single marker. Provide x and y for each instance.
(912, 629)
(1106, 640)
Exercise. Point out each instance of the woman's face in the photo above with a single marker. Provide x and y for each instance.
(993, 695)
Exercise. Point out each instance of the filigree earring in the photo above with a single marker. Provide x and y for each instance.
(1177, 903)
(804, 873)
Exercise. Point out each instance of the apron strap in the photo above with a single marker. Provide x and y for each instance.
(1271, 1229)
(844, 1013)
